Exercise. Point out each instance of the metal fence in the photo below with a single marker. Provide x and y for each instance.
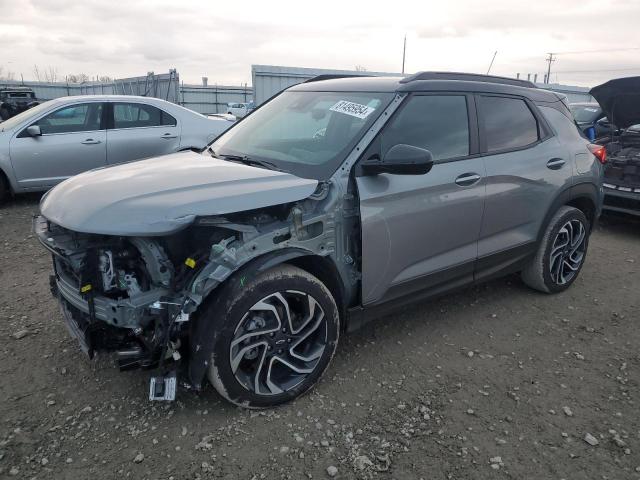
(167, 86)
(213, 98)
(271, 79)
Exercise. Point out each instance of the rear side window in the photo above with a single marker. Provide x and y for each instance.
(508, 123)
(438, 123)
(138, 115)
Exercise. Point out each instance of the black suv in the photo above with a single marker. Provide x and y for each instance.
(14, 100)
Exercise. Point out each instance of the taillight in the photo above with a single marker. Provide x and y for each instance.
(599, 151)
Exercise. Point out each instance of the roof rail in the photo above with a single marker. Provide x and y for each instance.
(469, 77)
(333, 76)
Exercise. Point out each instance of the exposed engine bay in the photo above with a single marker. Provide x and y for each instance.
(622, 171)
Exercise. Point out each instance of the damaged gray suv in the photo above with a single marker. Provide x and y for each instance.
(334, 202)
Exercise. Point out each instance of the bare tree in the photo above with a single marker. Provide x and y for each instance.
(6, 75)
(105, 79)
(77, 78)
(49, 74)
(360, 68)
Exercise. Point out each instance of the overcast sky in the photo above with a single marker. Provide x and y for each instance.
(221, 39)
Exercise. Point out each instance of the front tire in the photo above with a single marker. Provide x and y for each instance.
(274, 338)
(4, 188)
(561, 253)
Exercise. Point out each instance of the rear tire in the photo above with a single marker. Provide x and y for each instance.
(4, 114)
(4, 188)
(561, 252)
(274, 337)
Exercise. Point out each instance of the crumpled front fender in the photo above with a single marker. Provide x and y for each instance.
(202, 328)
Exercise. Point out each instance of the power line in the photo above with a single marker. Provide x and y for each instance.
(600, 70)
(605, 50)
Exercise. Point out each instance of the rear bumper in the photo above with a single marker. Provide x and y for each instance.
(616, 200)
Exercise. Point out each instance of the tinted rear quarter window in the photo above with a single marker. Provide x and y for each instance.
(138, 115)
(438, 123)
(508, 123)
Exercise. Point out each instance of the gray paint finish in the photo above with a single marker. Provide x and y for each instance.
(162, 195)
(417, 225)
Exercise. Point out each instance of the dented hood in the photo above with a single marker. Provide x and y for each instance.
(161, 195)
(620, 100)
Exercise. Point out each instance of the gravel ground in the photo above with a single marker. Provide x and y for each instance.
(495, 381)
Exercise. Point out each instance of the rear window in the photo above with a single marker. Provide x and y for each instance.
(508, 123)
(138, 115)
(585, 113)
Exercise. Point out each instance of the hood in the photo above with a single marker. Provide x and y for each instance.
(620, 100)
(162, 195)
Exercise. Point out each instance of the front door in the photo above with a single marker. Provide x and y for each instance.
(421, 231)
(139, 130)
(73, 140)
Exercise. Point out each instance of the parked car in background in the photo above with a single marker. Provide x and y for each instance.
(14, 100)
(335, 202)
(240, 109)
(66, 136)
(591, 120)
(620, 101)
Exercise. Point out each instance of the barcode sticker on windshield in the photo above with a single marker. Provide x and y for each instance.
(353, 109)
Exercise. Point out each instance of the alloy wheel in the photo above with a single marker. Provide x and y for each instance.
(567, 252)
(278, 342)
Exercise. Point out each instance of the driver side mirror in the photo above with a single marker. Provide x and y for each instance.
(34, 131)
(400, 159)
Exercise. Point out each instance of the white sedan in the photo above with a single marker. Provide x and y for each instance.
(66, 136)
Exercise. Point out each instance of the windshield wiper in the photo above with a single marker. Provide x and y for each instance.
(245, 159)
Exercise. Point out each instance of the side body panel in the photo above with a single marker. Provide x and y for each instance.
(42, 162)
(418, 230)
(128, 144)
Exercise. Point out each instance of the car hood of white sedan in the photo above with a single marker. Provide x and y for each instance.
(162, 195)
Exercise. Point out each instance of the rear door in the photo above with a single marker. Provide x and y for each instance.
(526, 168)
(138, 130)
(73, 140)
(421, 231)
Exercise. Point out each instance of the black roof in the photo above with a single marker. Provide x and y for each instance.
(430, 81)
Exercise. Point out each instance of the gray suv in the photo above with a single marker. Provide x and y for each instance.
(331, 204)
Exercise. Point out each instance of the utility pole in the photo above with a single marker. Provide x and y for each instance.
(550, 59)
(404, 51)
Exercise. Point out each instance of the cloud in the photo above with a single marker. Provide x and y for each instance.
(221, 40)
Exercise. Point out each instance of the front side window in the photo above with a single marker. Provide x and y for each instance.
(303, 132)
(83, 117)
(508, 123)
(138, 115)
(438, 123)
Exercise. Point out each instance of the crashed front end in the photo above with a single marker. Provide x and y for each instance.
(115, 292)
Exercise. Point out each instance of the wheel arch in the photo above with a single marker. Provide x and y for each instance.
(321, 267)
(4, 182)
(583, 196)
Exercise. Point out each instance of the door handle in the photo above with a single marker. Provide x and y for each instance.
(467, 179)
(555, 163)
(91, 141)
(168, 135)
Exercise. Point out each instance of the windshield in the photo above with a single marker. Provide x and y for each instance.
(304, 133)
(586, 113)
(21, 117)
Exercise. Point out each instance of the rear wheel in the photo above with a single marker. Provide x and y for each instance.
(561, 253)
(4, 188)
(4, 114)
(275, 338)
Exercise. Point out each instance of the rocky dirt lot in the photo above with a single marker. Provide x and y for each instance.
(495, 381)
